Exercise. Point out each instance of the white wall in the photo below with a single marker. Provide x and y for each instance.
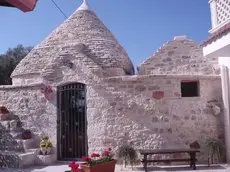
(220, 47)
(225, 65)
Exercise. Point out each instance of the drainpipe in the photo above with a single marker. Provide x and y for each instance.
(226, 100)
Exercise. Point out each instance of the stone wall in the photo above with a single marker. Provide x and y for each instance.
(179, 57)
(30, 105)
(149, 112)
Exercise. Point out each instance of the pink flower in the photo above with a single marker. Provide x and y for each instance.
(74, 167)
(85, 158)
(93, 155)
(110, 149)
(106, 153)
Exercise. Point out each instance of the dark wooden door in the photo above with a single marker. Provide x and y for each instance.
(71, 123)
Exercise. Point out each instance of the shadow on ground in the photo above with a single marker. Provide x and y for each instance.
(181, 168)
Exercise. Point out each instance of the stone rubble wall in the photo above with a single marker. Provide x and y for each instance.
(149, 112)
(30, 105)
(146, 111)
(179, 57)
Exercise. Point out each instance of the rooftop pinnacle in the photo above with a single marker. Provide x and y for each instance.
(84, 6)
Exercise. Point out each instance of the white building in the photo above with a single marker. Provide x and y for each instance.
(218, 47)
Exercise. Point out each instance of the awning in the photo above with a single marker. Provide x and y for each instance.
(24, 5)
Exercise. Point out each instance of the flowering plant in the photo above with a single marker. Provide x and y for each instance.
(74, 167)
(96, 158)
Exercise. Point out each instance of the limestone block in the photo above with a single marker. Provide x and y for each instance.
(15, 125)
(46, 159)
(36, 151)
(4, 117)
(16, 135)
(29, 143)
(26, 159)
(5, 124)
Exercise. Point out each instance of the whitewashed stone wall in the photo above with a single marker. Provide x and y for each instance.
(31, 106)
(138, 116)
(146, 110)
(179, 57)
(129, 109)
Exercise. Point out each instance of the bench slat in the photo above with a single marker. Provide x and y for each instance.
(166, 160)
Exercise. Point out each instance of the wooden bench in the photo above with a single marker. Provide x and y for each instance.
(191, 152)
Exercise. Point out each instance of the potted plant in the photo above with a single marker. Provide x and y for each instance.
(96, 163)
(128, 155)
(74, 167)
(26, 134)
(214, 148)
(46, 145)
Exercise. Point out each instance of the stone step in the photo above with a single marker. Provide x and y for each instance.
(29, 143)
(26, 159)
(45, 159)
(36, 151)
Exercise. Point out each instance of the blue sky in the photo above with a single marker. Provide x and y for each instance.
(141, 26)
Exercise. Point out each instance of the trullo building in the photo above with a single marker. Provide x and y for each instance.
(79, 87)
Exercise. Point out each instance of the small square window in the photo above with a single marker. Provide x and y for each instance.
(189, 88)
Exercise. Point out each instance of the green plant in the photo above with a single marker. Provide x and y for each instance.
(128, 154)
(214, 147)
(46, 144)
(45, 138)
(42, 144)
(49, 144)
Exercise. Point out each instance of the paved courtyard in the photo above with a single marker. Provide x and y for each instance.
(64, 167)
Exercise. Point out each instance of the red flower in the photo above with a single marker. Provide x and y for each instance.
(93, 155)
(74, 167)
(85, 158)
(110, 149)
(106, 153)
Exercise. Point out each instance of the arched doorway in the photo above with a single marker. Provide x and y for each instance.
(71, 123)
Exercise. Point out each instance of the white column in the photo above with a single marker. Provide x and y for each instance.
(213, 9)
(224, 62)
(226, 100)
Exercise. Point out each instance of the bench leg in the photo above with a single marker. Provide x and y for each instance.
(193, 160)
(145, 163)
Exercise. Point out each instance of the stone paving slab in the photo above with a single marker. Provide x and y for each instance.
(63, 168)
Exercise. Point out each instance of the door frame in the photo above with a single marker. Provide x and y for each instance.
(59, 147)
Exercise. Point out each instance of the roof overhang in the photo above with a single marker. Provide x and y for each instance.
(218, 47)
(23, 5)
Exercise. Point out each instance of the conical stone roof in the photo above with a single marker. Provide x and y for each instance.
(82, 27)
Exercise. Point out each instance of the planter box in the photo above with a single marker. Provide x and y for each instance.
(46, 159)
(105, 167)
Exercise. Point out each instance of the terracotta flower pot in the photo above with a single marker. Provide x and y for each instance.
(105, 167)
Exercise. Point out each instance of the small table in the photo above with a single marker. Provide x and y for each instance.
(191, 152)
